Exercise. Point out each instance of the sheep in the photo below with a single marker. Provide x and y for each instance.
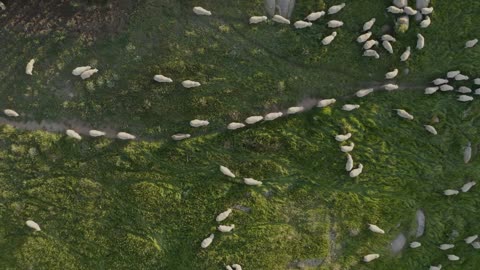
(162, 79)
(426, 22)
(431, 129)
(236, 267)
(279, 19)
(439, 267)
(371, 53)
(364, 37)
(452, 257)
(389, 38)
(199, 123)
(349, 164)
(461, 77)
(32, 224)
(363, 92)
(404, 114)
(467, 153)
(257, 19)
(11, 113)
(29, 67)
(125, 136)
(225, 228)
(73, 134)
(273, 116)
(2, 6)
(369, 44)
(476, 81)
(369, 24)
(370, 257)
(420, 42)
(253, 119)
(390, 87)
(464, 98)
(302, 24)
(470, 239)
(471, 43)
(452, 74)
(446, 246)
(252, 182)
(342, 137)
(347, 148)
(315, 16)
(431, 90)
(201, 11)
(294, 110)
(415, 244)
(356, 172)
(328, 39)
(224, 215)
(88, 73)
(228, 267)
(476, 245)
(207, 241)
(410, 11)
(350, 107)
(464, 90)
(450, 192)
(336, 8)
(477, 91)
(326, 102)
(467, 186)
(180, 136)
(334, 24)
(446, 87)
(440, 81)
(387, 46)
(395, 10)
(190, 84)
(79, 70)
(96, 133)
(226, 171)
(235, 125)
(392, 74)
(375, 229)
(405, 55)
(426, 11)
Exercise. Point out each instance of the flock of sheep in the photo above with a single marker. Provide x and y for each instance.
(368, 42)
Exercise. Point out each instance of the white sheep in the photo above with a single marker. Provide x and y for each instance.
(415, 244)
(335, 24)
(450, 192)
(253, 119)
(467, 186)
(452, 257)
(237, 267)
(410, 11)
(477, 91)
(347, 148)
(371, 53)
(392, 74)
(390, 87)
(294, 110)
(375, 229)
(235, 125)
(467, 153)
(350, 107)
(452, 74)
(79, 70)
(190, 84)
(162, 79)
(420, 42)
(224, 215)
(73, 134)
(426, 22)
(476, 245)
(464, 90)
(395, 10)
(125, 136)
(11, 113)
(252, 182)
(446, 87)
(180, 136)
(389, 38)
(438, 267)
(225, 228)
(88, 73)
(356, 172)
(201, 11)
(2, 6)
(369, 44)
(464, 98)
(199, 123)
(349, 164)
(226, 171)
(207, 241)
(343, 137)
(315, 16)
(386, 44)
(302, 24)
(96, 133)
(279, 19)
(326, 102)
(426, 11)
(470, 239)
(461, 77)
(273, 116)
(364, 37)
(439, 81)
(29, 67)
(431, 90)
(32, 224)
(471, 43)
(476, 81)
(431, 129)
(405, 55)
(336, 8)
(228, 267)
(404, 114)
(446, 246)
(370, 257)
(328, 39)
(363, 92)
(257, 19)
(369, 24)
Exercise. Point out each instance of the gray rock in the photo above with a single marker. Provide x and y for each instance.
(242, 208)
(270, 7)
(400, 3)
(398, 244)
(283, 8)
(420, 223)
(302, 264)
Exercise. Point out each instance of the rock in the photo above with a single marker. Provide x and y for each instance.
(283, 8)
(400, 3)
(270, 7)
(420, 223)
(399, 243)
(242, 208)
(309, 263)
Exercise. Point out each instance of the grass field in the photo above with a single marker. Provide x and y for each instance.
(109, 204)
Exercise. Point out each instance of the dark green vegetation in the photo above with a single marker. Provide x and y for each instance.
(106, 204)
